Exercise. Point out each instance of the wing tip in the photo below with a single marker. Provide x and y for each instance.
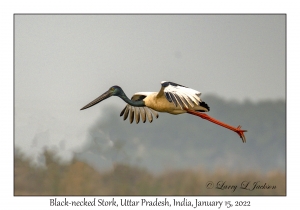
(167, 83)
(137, 115)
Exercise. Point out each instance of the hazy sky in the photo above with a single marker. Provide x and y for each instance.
(62, 62)
(67, 57)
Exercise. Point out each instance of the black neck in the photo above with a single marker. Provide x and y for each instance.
(130, 102)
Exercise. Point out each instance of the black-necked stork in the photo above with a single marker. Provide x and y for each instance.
(172, 98)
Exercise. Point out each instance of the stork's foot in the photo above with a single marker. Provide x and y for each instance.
(241, 133)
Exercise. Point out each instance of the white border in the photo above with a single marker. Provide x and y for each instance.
(8, 8)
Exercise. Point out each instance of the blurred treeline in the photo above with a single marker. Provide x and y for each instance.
(78, 178)
(186, 141)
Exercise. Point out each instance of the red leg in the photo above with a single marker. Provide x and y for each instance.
(207, 117)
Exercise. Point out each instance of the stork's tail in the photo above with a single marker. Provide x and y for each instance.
(207, 117)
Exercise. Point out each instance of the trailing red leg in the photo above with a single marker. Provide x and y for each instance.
(207, 117)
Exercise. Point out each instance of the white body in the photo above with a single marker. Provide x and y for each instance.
(172, 98)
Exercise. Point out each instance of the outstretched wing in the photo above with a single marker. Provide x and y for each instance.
(180, 95)
(138, 112)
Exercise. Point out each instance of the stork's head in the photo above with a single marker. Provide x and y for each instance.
(113, 91)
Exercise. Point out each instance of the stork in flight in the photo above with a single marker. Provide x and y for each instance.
(172, 98)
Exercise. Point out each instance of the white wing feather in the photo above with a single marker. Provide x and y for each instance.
(180, 95)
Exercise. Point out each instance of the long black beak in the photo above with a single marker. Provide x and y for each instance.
(104, 96)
